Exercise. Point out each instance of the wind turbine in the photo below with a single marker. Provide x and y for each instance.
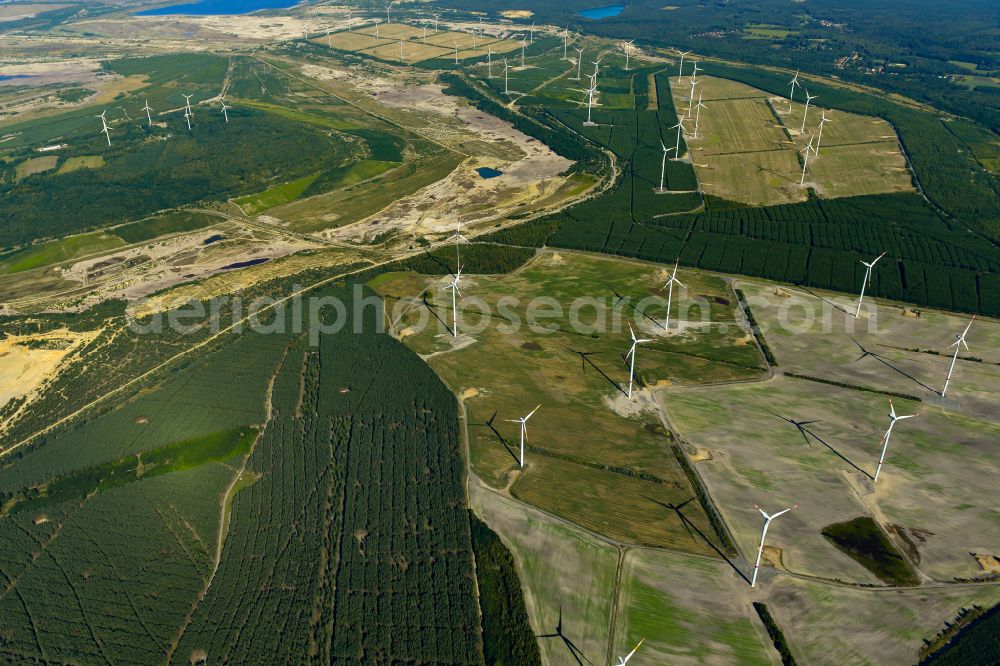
(453, 285)
(958, 344)
(663, 165)
(187, 104)
(579, 62)
(809, 98)
(669, 286)
(187, 117)
(475, 39)
(805, 159)
(436, 17)
(590, 100)
(631, 353)
(524, 45)
(148, 110)
(456, 52)
(627, 47)
(697, 115)
(387, 8)
(624, 660)
(531, 32)
(888, 433)
(597, 65)
(819, 137)
(680, 70)
(458, 238)
(350, 23)
(760, 549)
(868, 279)
(506, 68)
(694, 82)
(225, 110)
(677, 146)
(695, 70)
(524, 431)
(795, 84)
(565, 42)
(104, 126)
(489, 63)
(375, 34)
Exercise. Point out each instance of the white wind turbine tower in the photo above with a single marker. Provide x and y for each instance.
(524, 431)
(590, 100)
(597, 66)
(565, 42)
(387, 8)
(187, 104)
(697, 115)
(694, 82)
(805, 159)
(627, 47)
(225, 110)
(456, 52)
(763, 534)
(680, 130)
(680, 70)
(624, 660)
(795, 84)
(375, 34)
(489, 63)
(695, 70)
(148, 110)
(350, 23)
(868, 280)
(436, 17)
(809, 99)
(455, 293)
(958, 344)
(579, 63)
(531, 32)
(475, 39)
(888, 433)
(104, 126)
(819, 137)
(669, 286)
(506, 68)
(631, 354)
(187, 117)
(458, 238)
(524, 45)
(663, 165)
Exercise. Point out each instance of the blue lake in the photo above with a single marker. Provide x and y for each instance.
(12, 77)
(219, 7)
(487, 173)
(597, 13)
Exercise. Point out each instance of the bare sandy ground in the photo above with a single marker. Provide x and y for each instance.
(531, 171)
(24, 369)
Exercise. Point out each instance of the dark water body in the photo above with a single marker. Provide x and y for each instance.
(487, 173)
(598, 13)
(244, 264)
(12, 77)
(219, 7)
(213, 239)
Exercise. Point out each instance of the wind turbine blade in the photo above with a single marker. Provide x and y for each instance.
(531, 413)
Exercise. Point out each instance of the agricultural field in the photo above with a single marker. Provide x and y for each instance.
(748, 146)
(65, 249)
(837, 384)
(627, 454)
(419, 44)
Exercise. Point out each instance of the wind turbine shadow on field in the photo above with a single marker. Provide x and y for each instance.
(807, 433)
(431, 309)
(778, 175)
(625, 299)
(573, 649)
(824, 299)
(585, 358)
(692, 529)
(489, 424)
(881, 359)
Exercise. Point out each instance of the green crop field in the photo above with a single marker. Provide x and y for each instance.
(626, 453)
(52, 252)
